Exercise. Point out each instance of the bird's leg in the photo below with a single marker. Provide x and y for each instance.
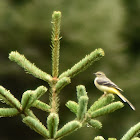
(105, 93)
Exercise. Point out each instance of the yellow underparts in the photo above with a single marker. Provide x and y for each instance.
(112, 90)
(106, 89)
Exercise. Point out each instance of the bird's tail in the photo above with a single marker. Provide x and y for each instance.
(125, 100)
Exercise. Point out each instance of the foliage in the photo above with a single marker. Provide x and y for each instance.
(30, 98)
(112, 25)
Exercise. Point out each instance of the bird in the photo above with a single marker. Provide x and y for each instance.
(105, 85)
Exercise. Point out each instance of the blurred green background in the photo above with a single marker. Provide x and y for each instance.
(25, 26)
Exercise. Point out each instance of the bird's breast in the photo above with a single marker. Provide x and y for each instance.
(105, 88)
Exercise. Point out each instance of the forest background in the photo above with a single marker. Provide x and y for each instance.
(114, 26)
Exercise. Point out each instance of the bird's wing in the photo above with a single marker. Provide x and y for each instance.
(108, 82)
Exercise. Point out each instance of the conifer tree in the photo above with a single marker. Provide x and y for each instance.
(31, 98)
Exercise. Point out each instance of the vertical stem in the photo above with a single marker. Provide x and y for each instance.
(54, 100)
(56, 20)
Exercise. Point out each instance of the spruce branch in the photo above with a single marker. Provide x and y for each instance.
(136, 138)
(30, 96)
(62, 83)
(56, 20)
(67, 129)
(95, 123)
(41, 105)
(27, 113)
(100, 107)
(107, 109)
(29, 67)
(73, 106)
(84, 63)
(82, 102)
(104, 100)
(81, 91)
(132, 132)
(9, 99)
(52, 124)
(99, 138)
(55, 88)
(8, 112)
(37, 126)
(4, 100)
(82, 109)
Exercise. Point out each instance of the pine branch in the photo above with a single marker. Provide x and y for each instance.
(30, 96)
(82, 108)
(29, 67)
(81, 91)
(52, 124)
(56, 20)
(73, 106)
(83, 64)
(132, 132)
(36, 126)
(95, 123)
(100, 107)
(30, 113)
(62, 83)
(8, 112)
(107, 109)
(99, 138)
(56, 85)
(41, 105)
(9, 99)
(136, 138)
(101, 102)
(67, 129)
(82, 102)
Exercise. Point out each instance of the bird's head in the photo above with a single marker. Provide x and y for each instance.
(99, 74)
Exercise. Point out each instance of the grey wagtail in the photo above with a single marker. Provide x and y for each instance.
(107, 86)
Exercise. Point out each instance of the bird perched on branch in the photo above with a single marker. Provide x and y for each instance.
(107, 86)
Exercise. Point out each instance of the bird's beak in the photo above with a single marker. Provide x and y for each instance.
(94, 73)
